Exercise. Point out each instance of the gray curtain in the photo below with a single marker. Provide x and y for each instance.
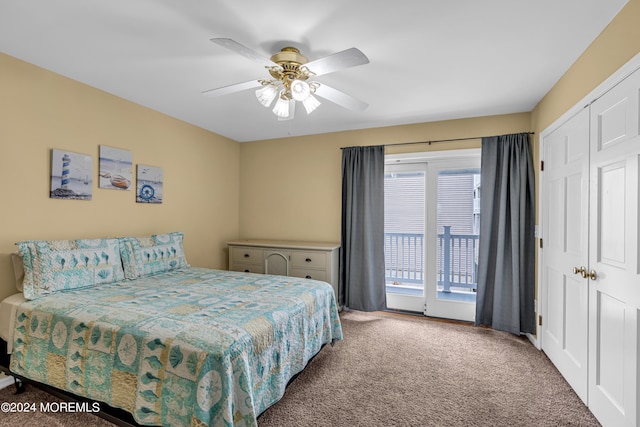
(362, 282)
(506, 287)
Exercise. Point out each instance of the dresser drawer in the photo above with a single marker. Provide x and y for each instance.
(309, 274)
(308, 259)
(248, 268)
(247, 255)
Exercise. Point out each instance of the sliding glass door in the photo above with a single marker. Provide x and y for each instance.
(404, 236)
(431, 233)
(453, 235)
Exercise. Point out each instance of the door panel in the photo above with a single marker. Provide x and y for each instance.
(574, 241)
(452, 252)
(610, 368)
(554, 324)
(611, 181)
(405, 191)
(564, 294)
(613, 256)
(575, 345)
(613, 122)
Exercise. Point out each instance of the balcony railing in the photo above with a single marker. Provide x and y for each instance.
(456, 259)
(404, 257)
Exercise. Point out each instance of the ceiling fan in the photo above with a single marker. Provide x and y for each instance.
(291, 77)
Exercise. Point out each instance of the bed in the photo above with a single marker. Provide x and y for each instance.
(169, 343)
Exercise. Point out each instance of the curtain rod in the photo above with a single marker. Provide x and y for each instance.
(440, 140)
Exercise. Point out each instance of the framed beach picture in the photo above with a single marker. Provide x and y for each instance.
(71, 175)
(116, 169)
(149, 184)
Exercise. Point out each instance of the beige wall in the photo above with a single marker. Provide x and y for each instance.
(290, 188)
(40, 110)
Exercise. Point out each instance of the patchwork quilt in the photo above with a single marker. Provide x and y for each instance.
(188, 347)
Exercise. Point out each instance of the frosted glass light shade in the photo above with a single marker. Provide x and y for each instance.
(281, 108)
(310, 103)
(300, 90)
(266, 94)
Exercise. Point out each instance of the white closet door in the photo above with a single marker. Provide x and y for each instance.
(614, 288)
(564, 294)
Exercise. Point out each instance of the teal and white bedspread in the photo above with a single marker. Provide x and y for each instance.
(189, 347)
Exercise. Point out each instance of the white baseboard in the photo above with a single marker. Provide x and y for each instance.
(5, 381)
(534, 341)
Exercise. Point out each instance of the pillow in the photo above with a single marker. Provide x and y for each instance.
(18, 269)
(57, 265)
(158, 253)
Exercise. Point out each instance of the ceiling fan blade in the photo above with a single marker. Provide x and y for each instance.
(244, 51)
(337, 61)
(232, 88)
(341, 98)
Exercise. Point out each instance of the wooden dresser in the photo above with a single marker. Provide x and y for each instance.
(312, 260)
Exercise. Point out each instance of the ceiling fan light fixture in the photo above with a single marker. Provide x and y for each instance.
(281, 109)
(291, 79)
(310, 103)
(266, 94)
(300, 90)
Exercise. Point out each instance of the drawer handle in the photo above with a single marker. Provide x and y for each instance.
(247, 271)
(307, 277)
(308, 259)
(247, 255)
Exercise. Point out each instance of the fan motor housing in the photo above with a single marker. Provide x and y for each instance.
(290, 68)
(289, 55)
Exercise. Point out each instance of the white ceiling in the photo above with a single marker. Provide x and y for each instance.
(429, 59)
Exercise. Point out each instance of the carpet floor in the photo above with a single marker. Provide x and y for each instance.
(395, 370)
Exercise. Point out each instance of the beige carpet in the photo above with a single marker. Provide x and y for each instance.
(392, 371)
(401, 371)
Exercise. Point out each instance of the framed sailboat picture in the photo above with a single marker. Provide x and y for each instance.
(71, 175)
(116, 169)
(149, 184)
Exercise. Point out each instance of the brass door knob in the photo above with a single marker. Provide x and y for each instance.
(592, 275)
(580, 270)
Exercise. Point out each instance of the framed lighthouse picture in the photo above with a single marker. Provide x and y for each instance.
(71, 175)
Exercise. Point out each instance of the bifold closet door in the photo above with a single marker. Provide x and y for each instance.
(565, 235)
(614, 265)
